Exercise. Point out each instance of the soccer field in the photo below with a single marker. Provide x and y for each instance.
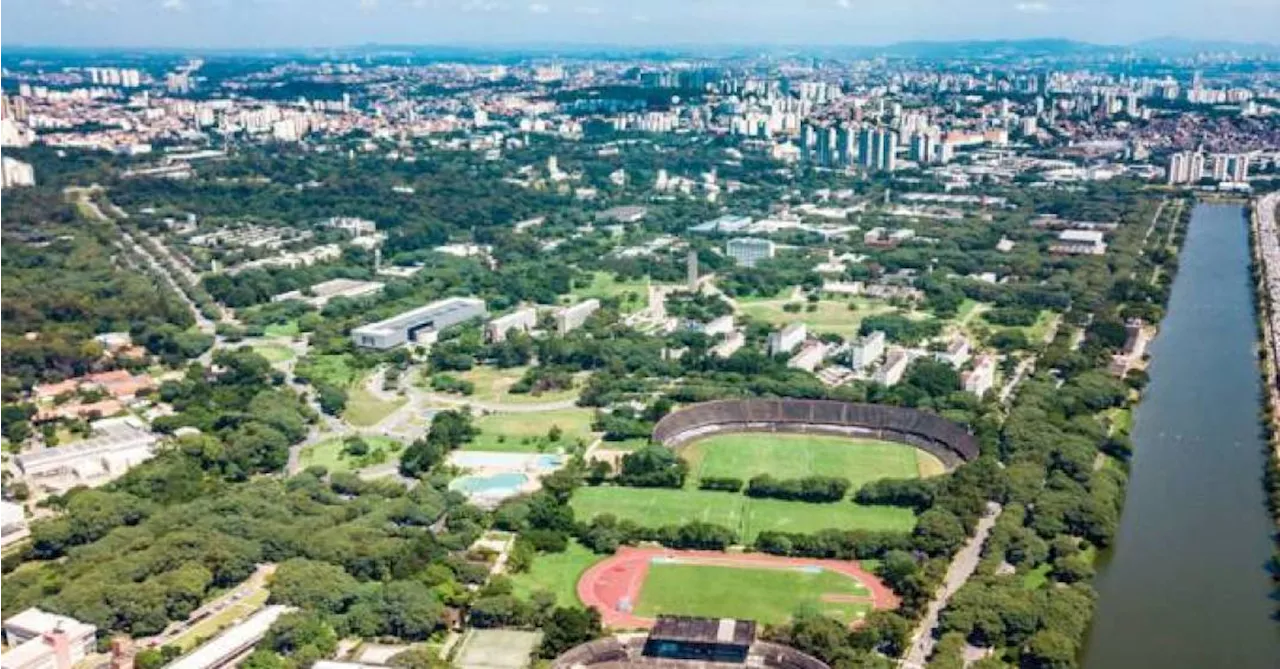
(656, 507)
(788, 456)
(768, 596)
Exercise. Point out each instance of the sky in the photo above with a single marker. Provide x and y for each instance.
(303, 23)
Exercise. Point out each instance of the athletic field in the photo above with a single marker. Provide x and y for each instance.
(789, 456)
(766, 595)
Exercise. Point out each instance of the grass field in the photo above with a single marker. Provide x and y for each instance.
(492, 384)
(790, 456)
(833, 316)
(365, 409)
(768, 596)
(274, 352)
(335, 369)
(526, 432)
(557, 573)
(748, 517)
(329, 454)
(604, 286)
(286, 329)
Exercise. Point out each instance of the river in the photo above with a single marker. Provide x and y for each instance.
(1185, 586)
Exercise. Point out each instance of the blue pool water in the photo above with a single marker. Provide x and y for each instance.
(505, 460)
(498, 483)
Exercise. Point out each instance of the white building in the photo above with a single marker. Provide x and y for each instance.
(867, 350)
(232, 643)
(572, 317)
(730, 345)
(747, 251)
(13, 527)
(323, 292)
(118, 445)
(523, 320)
(42, 640)
(809, 357)
(1079, 242)
(956, 353)
(982, 377)
(356, 227)
(787, 339)
(895, 365)
(16, 173)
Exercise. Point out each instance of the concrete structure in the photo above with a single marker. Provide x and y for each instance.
(408, 326)
(1079, 242)
(118, 444)
(356, 227)
(227, 647)
(982, 377)
(867, 350)
(956, 353)
(16, 173)
(687, 643)
(895, 365)
(809, 357)
(719, 326)
(730, 345)
(522, 320)
(724, 224)
(13, 523)
(625, 214)
(42, 640)
(787, 339)
(324, 291)
(571, 318)
(747, 251)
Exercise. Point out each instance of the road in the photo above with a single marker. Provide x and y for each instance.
(962, 567)
(255, 583)
(1267, 250)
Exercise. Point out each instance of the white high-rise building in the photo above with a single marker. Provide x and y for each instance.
(747, 251)
(867, 350)
(16, 173)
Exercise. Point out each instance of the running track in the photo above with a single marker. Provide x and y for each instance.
(607, 582)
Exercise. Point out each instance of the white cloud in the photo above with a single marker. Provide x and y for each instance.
(368, 5)
(1033, 7)
(539, 8)
(174, 5)
(844, 4)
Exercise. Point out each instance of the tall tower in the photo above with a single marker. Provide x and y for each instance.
(691, 267)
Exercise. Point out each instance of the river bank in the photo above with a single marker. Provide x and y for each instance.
(1264, 241)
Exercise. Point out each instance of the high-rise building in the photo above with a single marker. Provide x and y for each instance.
(747, 251)
(1197, 168)
(922, 148)
(16, 173)
(1186, 167)
(1238, 168)
(866, 149)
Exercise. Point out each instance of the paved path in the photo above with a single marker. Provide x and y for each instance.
(966, 560)
(620, 577)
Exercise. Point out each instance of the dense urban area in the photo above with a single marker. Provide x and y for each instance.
(396, 358)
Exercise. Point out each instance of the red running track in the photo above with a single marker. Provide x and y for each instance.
(619, 577)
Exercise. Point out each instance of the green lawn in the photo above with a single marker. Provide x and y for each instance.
(336, 369)
(624, 445)
(287, 329)
(790, 456)
(768, 596)
(329, 454)
(527, 432)
(492, 383)
(556, 572)
(746, 516)
(831, 315)
(633, 295)
(364, 409)
(274, 352)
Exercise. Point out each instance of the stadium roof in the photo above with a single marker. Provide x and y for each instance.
(704, 630)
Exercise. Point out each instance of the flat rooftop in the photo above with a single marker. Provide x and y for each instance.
(413, 317)
(704, 630)
(109, 435)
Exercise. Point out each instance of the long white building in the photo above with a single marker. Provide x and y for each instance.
(117, 445)
(408, 326)
(522, 320)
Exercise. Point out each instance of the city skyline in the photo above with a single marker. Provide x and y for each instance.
(324, 23)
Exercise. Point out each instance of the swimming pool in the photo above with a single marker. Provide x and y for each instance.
(476, 459)
(497, 484)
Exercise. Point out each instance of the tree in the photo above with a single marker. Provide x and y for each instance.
(1048, 649)
(653, 467)
(569, 627)
(303, 636)
(417, 657)
(938, 532)
(411, 609)
(313, 585)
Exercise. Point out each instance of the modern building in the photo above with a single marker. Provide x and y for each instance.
(982, 377)
(16, 173)
(895, 365)
(1230, 167)
(1079, 242)
(572, 317)
(13, 523)
(724, 224)
(225, 648)
(323, 292)
(117, 445)
(747, 251)
(410, 325)
(41, 640)
(787, 339)
(867, 350)
(521, 320)
(810, 356)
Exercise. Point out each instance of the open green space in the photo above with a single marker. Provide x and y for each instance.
(334, 369)
(364, 409)
(657, 507)
(287, 329)
(492, 385)
(329, 454)
(557, 573)
(633, 295)
(274, 353)
(829, 316)
(768, 596)
(790, 456)
(528, 432)
(624, 445)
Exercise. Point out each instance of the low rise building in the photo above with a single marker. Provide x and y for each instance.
(520, 320)
(231, 644)
(867, 350)
(787, 339)
(572, 317)
(117, 445)
(718, 326)
(321, 293)
(1079, 242)
(410, 325)
(810, 356)
(13, 523)
(982, 377)
(956, 353)
(41, 640)
(894, 367)
(731, 344)
(748, 251)
(624, 214)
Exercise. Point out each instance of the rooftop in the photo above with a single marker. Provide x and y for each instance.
(704, 630)
(414, 316)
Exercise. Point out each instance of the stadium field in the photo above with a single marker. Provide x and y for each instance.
(766, 595)
(747, 454)
(748, 517)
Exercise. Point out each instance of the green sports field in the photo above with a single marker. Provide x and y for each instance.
(527, 432)
(748, 517)
(768, 596)
(557, 573)
(787, 456)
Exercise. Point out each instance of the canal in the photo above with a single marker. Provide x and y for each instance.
(1186, 585)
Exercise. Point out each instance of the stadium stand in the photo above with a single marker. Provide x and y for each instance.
(950, 442)
(687, 643)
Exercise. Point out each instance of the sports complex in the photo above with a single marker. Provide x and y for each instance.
(741, 439)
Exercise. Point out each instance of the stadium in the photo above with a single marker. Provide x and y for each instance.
(948, 441)
(688, 642)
